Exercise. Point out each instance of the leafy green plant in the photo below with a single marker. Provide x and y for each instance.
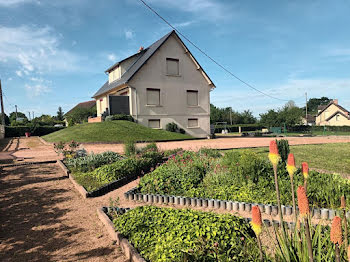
(164, 234)
(130, 148)
(91, 161)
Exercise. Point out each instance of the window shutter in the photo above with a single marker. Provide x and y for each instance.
(153, 96)
(154, 123)
(172, 66)
(192, 98)
(193, 122)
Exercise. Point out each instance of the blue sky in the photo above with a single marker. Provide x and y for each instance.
(54, 53)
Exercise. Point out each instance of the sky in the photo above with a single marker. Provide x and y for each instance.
(54, 53)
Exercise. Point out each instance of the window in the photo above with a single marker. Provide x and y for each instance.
(153, 96)
(172, 66)
(192, 122)
(192, 98)
(154, 123)
(337, 118)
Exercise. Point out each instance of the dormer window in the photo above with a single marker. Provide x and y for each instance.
(172, 66)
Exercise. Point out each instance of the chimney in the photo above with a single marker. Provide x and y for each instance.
(335, 101)
(141, 48)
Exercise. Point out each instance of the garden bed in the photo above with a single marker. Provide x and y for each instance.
(96, 175)
(165, 234)
(239, 178)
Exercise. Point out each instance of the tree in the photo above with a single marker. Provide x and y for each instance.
(226, 114)
(13, 119)
(313, 104)
(7, 119)
(290, 115)
(60, 114)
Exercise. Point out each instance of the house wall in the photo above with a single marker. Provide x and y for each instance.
(342, 121)
(101, 104)
(321, 119)
(121, 69)
(173, 97)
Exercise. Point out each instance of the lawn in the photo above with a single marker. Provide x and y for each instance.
(112, 131)
(329, 157)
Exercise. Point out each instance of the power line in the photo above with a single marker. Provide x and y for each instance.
(212, 59)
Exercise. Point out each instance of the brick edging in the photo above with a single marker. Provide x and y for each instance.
(80, 188)
(317, 213)
(63, 167)
(128, 249)
(29, 163)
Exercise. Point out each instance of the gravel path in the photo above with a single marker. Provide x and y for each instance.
(43, 218)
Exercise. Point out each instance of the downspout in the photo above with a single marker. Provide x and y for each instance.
(136, 113)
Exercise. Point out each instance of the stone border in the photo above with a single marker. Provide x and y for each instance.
(100, 191)
(63, 167)
(317, 213)
(129, 251)
(43, 141)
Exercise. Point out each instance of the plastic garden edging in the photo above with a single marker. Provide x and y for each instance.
(133, 194)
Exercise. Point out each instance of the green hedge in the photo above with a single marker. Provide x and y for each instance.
(165, 234)
(15, 131)
(311, 129)
(235, 128)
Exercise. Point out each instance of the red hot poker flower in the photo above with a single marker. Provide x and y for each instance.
(305, 169)
(336, 231)
(256, 220)
(349, 253)
(273, 155)
(303, 202)
(291, 165)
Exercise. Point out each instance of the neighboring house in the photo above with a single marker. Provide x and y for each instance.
(332, 115)
(309, 120)
(158, 85)
(86, 105)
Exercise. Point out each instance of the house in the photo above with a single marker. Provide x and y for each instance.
(158, 85)
(309, 120)
(332, 115)
(84, 105)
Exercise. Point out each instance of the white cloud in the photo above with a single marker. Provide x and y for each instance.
(36, 50)
(112, 57)
(129, 34)
(9, 3)
(204, 9)
(19, 73)
(183, 24)
(36, 90)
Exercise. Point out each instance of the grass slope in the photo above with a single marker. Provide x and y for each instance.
(329, 157)
(112, 131)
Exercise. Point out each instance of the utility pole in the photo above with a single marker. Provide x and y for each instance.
(306, 107)
(16, 112)
(231, 115)
(29, 115)
(33, 114)
(2, 107)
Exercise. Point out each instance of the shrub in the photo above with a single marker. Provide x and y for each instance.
(120, 117)
(172, 152)
(171, 127)
(209, 152)
(92, 161)
(283, 149)
(16, 131)
(149, 147)
(164, 234)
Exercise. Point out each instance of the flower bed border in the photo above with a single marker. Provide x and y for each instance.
(100, 191)
(128, 249)
(134, 194)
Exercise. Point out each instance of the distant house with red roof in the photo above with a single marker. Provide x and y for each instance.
(332, 115)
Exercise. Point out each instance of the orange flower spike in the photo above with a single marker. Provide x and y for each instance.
(342, 202)
(305, 169)
(303, 202)
(336, 231)
(291, 165)
(273, 155)
(349, 253)
(256, 220)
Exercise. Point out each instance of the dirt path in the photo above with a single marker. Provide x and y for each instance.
(43, 218)
(223, 143)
